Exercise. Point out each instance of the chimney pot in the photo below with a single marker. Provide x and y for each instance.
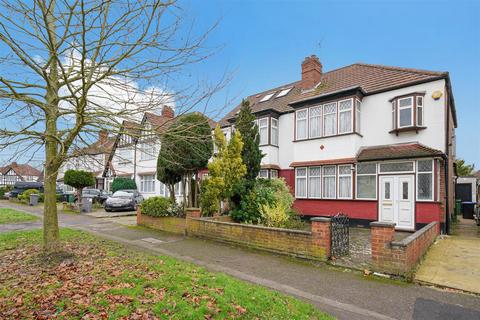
(311, 72)
(168, 112)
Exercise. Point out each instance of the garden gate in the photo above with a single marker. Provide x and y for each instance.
(340, 235)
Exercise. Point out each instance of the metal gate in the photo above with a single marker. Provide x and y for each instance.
(340, 235)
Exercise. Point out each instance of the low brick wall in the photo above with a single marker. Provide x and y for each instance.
(400, 257)
(167, 224)
(304, 244)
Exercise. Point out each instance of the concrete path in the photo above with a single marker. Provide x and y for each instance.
(454, 261)
(340, 292)
(104, 214)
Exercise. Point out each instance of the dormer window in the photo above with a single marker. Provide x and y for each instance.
(407, 113)
(283, 92)
(267, 97)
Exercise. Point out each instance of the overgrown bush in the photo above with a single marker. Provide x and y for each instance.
(123, 184)
(157, 207)
(4, 190)
(25, 196)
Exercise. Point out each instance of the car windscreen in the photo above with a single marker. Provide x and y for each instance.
(122, 194)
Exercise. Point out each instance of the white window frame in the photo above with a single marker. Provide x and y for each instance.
(297, 119)
(150, 182)
(379, 167)
(310, 117)
(352, 106)
(309, 176)
(329, 176)
(263, 173)
(432, 173)
(420, 110)
(274, 136)
(273, 173)
(366, 174)
(305, 177)
(358, 113)
(335, 131)
(411, 106)
(349, 175)
(261, 127)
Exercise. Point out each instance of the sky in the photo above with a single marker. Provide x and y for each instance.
(262, 43)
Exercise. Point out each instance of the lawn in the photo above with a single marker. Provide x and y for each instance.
(99, 279)
(14, 216)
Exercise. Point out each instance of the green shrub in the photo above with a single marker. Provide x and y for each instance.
(79, 179)
(4, 190)
(157, 207)
(25, 196)
(123, 184)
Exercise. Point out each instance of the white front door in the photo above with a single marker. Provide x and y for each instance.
(396, 201)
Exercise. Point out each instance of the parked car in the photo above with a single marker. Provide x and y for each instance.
(99, 196)
(123, 200)
(21, 186)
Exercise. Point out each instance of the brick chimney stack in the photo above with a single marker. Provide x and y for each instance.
(311, 72)
(168, 112)
(102, 136)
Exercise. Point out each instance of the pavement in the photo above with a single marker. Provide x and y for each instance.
(344, 293)
(454, 261)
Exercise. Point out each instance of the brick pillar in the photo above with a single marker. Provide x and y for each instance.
(139, 215)
(321, 229)
(382, 234)
(193, 213)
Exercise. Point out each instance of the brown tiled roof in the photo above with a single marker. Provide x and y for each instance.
(322, 162)
(367, 77)
(159, 123)
(97, 147)
(22, 170)
(397, 151)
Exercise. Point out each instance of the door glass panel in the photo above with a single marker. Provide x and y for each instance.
(405, 190)
(387, 190)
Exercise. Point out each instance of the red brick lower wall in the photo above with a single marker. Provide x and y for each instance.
(355, 209)
(400, 257)
(426, 212)
(312, 245)
(167, 224)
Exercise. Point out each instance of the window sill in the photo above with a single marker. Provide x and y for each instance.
(406, 129)
(268, 145)
(330, 136)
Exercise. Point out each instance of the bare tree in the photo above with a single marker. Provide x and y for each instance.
(71, 68)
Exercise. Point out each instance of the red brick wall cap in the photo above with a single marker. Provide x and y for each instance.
(321, 219)
(380, 224)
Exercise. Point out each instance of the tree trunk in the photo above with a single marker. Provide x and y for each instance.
(51, 238)
(171, 189)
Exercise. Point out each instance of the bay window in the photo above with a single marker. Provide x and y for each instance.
(315, 123)
(147, 183)
(345, 116)
(274, 131)
(367, 181)
(314, 182)
(301, 182)
(425, 180)
(345, 181)
(263, 130)
(301, 124)
(263, 173)
(330, 119)
(408, 112)
(329, 182)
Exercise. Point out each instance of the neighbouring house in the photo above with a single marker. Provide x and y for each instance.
(466, 189)
(135, 152)
(371, 141)
(18, 172)
(92, 158)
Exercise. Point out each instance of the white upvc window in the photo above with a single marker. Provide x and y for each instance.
(358, 106)
(315, 122)
(125, 155)
(329, 182)
(148, 151)
(345, 116)
(274, 131)
(330, 119)
(147, 183)
(405, 112)
(263, 130)
(301, 182)
(273, 174)
(425, 180)
(345, 181)
(314, 182)
(397, 167)
(263, 173)
(419, 111)
(366, 181)
(301, 124)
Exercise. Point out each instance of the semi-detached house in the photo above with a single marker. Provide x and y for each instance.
(371, 141)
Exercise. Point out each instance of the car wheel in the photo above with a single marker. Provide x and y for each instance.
(108, 210)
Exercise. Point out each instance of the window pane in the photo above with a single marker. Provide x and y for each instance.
(330, 119)
(330, 170)
(344, 187)
(420, 116)
(314, 187)
(357, 117)
(425, 165)
(345, 121)
(301, 172)
(405, 190)
(366, 187)
(315, 122)
(274, 131)
(405, 102)
(263, 135)
(405, 117)
(396, 167)
(263, 173)
(363, 168)
(387, 190)
(273, 174)
(424, 187)
(329, 187)
(302, 124)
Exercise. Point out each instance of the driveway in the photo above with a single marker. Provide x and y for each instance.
(454, 261)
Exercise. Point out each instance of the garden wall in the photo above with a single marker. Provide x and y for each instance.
(304, 244)
(167, 224)
(400, 257)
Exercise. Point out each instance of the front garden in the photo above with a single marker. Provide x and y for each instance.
(8, 216)
(98, 279)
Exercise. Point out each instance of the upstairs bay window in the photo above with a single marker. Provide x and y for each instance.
(301, 125)
(408, 112)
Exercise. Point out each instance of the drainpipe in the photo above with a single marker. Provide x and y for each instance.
(446, 229)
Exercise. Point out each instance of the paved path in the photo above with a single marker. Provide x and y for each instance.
(454, 261)
(340, 292)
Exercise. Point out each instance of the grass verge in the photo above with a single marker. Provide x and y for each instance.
(96, 278)
(14, 216)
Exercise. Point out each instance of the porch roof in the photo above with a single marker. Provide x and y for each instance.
(397, 151)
